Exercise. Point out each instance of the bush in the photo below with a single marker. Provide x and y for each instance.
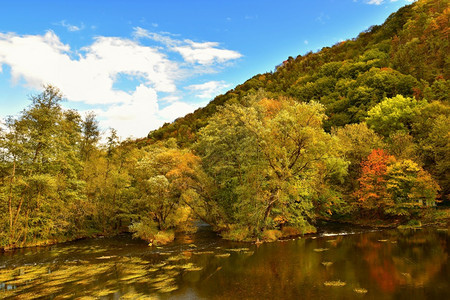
(164, 237)
(288, 231)
(271, 235)
(146, 229)
(237, 233)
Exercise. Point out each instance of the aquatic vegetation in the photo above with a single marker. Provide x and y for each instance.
(168, 289)
(334, 283)
(194, 269)
(6, 275)
(223, 255)
(160, 265)
(237, 249)
(132, 295)
(360, 290)
(104, 292)
(178, 257)
(321, 249)
(162, 283)
(204, 252)
(106, 257)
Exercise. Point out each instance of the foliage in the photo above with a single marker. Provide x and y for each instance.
(268, 160)
(372, 194)
(388, 185)
(394, 114)
(268, 156)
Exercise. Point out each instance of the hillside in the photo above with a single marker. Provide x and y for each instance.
(407, 55)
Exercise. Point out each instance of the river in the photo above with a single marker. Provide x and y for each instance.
(339, 262)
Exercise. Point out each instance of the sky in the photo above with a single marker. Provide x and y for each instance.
(138, 64)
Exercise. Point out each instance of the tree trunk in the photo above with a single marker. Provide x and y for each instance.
(274, 198)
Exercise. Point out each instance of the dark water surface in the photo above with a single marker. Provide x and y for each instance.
(338, 263)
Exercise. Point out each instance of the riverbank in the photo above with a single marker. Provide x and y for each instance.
(439, 217)
(422, 218)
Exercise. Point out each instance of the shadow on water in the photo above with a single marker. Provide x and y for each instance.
(339, 262)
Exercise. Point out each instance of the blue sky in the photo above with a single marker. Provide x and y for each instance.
(138, 64)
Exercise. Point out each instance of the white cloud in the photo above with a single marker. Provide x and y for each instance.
(135, 117)
(209, 89)
(206, 53)
(90, 78)
(170, 99)
(88, 75)
(306, 42)
(175, 110)
(70, 27)
(379, 2)
(375, 2)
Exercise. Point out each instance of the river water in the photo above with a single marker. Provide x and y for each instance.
(337, 263)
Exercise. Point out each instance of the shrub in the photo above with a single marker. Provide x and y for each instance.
(271, 235)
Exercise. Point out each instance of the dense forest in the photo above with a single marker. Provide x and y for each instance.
(358, 131)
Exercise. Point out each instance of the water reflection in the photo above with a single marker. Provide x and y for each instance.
(383, 264)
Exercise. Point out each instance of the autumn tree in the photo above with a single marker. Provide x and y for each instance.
(166, 179)
(269, 159)
(372, 194)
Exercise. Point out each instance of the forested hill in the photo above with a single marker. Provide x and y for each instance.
(407, 55)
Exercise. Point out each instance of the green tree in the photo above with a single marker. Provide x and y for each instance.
(269, 159)
(40, 162)
(394, 114)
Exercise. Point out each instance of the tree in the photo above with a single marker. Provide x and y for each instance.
(408, 184)
(394, 114)
(269, 159)
(372, 194)
(40, 162)
(165, 182)
(357, 141)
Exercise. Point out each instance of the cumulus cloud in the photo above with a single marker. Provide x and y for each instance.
(209, 89)
(89, 78)
(175, 110)
(89, 74)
